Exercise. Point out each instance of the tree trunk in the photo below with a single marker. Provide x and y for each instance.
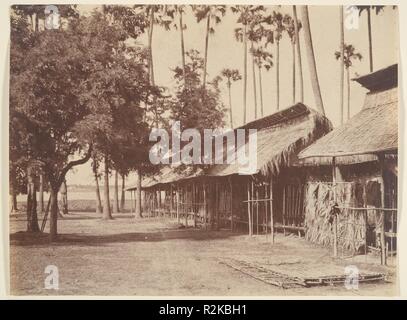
(116, 193)
(150, 47)
(244, 74)
(293, 53)
(311, 60)
(208, 24)
(298, 46)
(369, 28)
(64, 196)
(53, 223)
(106, 205)
(278, 73)
(348, 90)
(32, 219)
(13, 202)
(261, 94)
(41, 200)
(342, 44)
(123, 195)
(138, 195)
(254, 83)
(181, 24)
(230, 103)
(98, 199)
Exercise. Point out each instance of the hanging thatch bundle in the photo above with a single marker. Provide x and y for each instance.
(351, 225)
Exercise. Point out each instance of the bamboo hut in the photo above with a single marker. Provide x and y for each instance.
(351, 200)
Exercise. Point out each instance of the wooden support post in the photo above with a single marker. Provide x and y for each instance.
(252, 209)
(266, 209)
(257, 211)
(382, 226)
(177, 198)
(271, 212)
(335, 222)
(194, 201)
(205, 206)
(231, 203)
(284, 207)
(248, 208)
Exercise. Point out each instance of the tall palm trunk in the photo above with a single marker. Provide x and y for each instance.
(342, 44)
(278, 73)
(32, 219)
(369, 28)
(298, 46)
(41, 199)
(123, 195)
(150, 47)
(138, 195)
(208, 25)
(244, 73)
(348, 90)
(230, 103)
(106, 205)
(311, 60)
(182, 44)
(261, 93)
(116, 193)
(254, 83)
(97, 189)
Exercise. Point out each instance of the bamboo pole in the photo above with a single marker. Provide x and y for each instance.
(382, 227)
(335, 227)
(231, 204)
(271, 212)
(257, 212)
(205, 206)
(248, 207)
(284, 207)
(177, 207)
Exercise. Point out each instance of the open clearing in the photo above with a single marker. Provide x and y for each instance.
(153, 256)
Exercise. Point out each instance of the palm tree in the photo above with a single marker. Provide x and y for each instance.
(168, 19)
(311, 60)
(277, 20)
(341, 46)
(262, 58)
(292, 28)
(241, 35)
(210, 13)
(297, 25)
(231, 75)
(369, 28)
(349, 55)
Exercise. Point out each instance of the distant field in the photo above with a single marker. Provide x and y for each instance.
(77, 201)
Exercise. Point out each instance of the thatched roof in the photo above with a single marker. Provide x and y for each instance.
(380, 80)
(167, 175)
(372, 131)
(280, 137)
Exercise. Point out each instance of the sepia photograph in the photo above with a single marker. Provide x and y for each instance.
(203, 150)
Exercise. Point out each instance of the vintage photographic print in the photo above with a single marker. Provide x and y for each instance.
(203, 150)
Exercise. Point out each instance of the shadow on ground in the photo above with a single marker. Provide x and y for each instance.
(37, 239)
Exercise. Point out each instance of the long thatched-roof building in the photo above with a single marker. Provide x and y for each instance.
(220, 196)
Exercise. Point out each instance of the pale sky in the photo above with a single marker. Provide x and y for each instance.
(226, 52)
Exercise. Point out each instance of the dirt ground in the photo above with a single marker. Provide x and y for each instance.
(153, 256)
